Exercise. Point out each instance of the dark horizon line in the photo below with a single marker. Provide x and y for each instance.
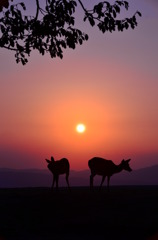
(81, 170)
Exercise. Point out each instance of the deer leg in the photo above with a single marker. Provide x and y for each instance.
(91, 180)
(108, 182)
(53, 182)
(67, 180)
(57, 179)
(103, 178)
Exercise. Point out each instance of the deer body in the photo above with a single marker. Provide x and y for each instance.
(104, 167)
(57, 168)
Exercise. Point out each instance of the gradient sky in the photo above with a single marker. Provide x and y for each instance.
(110, 84)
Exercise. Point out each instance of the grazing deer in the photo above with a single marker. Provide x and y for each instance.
(103, 167)
(61, 166)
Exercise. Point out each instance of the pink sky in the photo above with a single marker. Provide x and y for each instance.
(110, 84)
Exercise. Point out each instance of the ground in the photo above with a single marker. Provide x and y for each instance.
(126, 212)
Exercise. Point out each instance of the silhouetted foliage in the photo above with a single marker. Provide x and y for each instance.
(4, 4)
(52, 29)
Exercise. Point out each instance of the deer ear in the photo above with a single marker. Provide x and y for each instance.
(129, 160)
(52, 159)
(48, 161)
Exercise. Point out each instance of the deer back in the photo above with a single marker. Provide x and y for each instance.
(59, 167)
(101, 166)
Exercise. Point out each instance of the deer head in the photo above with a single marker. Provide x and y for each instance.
(125, 165)
(50, 161)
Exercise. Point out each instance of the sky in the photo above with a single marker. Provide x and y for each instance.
(110, 84)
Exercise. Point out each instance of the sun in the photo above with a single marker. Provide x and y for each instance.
(80, 128)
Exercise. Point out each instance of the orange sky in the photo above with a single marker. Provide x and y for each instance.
(110, 84)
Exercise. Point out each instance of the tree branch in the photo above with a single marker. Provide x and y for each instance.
(82, 6)
(38, 8)
(9, 48)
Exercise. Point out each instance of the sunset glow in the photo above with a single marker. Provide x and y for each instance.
(80, 128)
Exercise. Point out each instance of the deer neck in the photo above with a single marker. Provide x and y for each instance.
(118, 168)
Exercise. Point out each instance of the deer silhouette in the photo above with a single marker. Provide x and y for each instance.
(103, 167)
(58, 167)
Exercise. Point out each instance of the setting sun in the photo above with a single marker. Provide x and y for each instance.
(80, 128)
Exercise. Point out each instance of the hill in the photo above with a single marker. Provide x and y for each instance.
(12, 178)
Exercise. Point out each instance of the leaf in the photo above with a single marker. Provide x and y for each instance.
(114, 13)
(126, 25)
(119, 3)
(12, 8)
(91, 20)
(107, 3)
(23, 5)
(2, 28)
(11, 42)
(139, 13)
(126, 5)
(86, 37)
(80, 41)
(85, 18)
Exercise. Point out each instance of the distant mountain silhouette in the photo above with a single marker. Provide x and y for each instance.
(12, 178)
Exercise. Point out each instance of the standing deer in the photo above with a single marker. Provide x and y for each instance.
(61, 166)
(103, 167)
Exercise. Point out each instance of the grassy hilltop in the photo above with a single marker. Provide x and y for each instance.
(37, 213)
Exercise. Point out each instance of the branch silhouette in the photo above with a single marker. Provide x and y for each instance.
(52, 28)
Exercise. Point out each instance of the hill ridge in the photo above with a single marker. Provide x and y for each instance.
(10, 178)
